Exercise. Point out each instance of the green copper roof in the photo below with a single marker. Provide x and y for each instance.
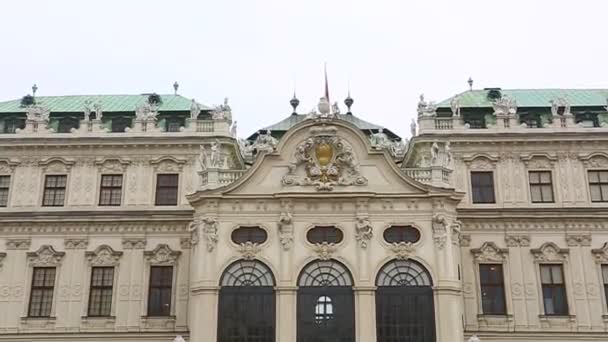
(292, 120)
(109, 103)
(534, 97)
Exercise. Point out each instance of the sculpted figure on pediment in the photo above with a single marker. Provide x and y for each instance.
(45, 256)
(549, 252)
(489, 252)
(103, 255)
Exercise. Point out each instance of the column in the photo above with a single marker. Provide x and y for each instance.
(365, 314)
(203, 314)
(448, 311)
(286, 313)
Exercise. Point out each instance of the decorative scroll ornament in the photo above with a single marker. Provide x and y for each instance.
(285, 225)
(325, 250)
(249, 250)
(601, 254)
(329, 161)
(403, 250)
(363, 231)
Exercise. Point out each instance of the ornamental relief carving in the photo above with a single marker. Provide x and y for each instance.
(517, 240)
(583, 240)
(7, 166)
(45, 256)
(363, 231)
(112, 165)
(328, 161)
(76, 243)
(134, 243)
(249, 250)
(167, 164)
(208, 228)
(481, 162)
(403, 250)
(324, 250)
(538, 161)
(2, 256)
(601, 254)
(440, 230)
(489, 252)
(162, 255)
(103, 255)
(549, 252)
(595, 161)
(285, 227)
(19, 244)
(56, 165)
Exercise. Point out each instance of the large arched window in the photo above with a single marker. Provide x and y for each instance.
(325, 303)
(404, 303)
(247, 303)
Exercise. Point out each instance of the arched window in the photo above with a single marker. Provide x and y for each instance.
(404, 303)
(247, 303)
(325, 303)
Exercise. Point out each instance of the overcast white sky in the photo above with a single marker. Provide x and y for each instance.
(254, 51)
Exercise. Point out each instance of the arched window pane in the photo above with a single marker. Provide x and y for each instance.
(403, 273)
(247, 273)
(325, 273)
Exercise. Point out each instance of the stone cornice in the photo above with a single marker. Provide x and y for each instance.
(525, 225)
(74, 214)
(531, 212)
(83, 228)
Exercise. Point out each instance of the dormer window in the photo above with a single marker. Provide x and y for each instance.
(531, 120)
(66, 124)
(120, 124)
(174, 124)
(587, 120)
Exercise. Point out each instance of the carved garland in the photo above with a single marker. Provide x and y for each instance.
(328, 161)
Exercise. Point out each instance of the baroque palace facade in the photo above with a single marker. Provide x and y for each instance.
(143, 218)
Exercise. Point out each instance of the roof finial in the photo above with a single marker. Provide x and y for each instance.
(470, 82)
(294, 102)
(34, 89)
(348, 102)
(175, 87)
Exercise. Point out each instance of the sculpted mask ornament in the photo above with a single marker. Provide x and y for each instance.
(403, 250)
(249, 250)
(328, 161)
(325, 250)
(363, 231)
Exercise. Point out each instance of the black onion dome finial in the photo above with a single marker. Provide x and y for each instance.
(294, 102)
(349, 102)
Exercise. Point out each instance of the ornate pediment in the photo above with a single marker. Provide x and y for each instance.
(7, 165)
(595, 160)
(112, 164)
(162, 255)
(489, 252)
(56, 165)
(45, 256)
(103, 255)
(324, 160)
(167, 164)
(481, 161)
(539, 161)
(549, 252)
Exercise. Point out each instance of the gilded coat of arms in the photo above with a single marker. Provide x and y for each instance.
(328, 161)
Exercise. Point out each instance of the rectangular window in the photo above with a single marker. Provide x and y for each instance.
(5, 181)
(492, 289)
(554, 290)
(482, 186)
(166, 189)
(598, 185)
(159, 294)
(41, 297)
(54, 190)
(605, 277)
(100, 296)
(541, 187)
(110, 192)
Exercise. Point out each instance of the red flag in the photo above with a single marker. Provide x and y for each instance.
(326, 85)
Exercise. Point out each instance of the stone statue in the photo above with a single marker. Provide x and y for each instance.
(146, 112)
(380, 140)
(38, 114)
(448, 154)
(505, 106)
(98, 111)
(455, 105)
(557, 103)
(285, 225)
(215, 160)
(179, 338)
(413, 128)
(323, 107)
(195, 110)
(335, 109)
(222, 112)
(210, 231)
(363, 231)
(265, 142)
(434, 154)
(398, 148)
(246, 148)
(87, 110)
(203, 158)
(233, 129)
(421, 104)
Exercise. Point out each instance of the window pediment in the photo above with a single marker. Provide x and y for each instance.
(481, 161)
(56, 165)
(45, 256)
(549, 252)
(7, 166)
(112, 165)
(596, 160)
(539, 161)
(167, 164)
(489, 252)
(162, 255)
(103, 255)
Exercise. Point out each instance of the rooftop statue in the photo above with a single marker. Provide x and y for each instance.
(380, 140)
(146, 112)
(558, 103)
(399, 148)
(37, 113)
(87, 110)
(413, 128)
(505, 106)
(195, 110)
(223, 111)
(455, 105)
(335, 109)
(98, 111)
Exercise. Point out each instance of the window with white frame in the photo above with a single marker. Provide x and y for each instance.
(598, 185)
(555, 299)
(5, 182)
(541, 186)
